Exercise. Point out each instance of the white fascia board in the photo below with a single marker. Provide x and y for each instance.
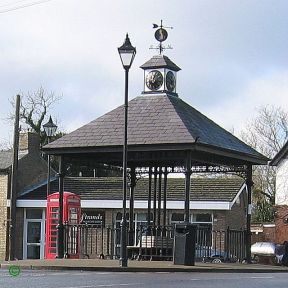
(31, 203)
(118, 204)
(210, 205)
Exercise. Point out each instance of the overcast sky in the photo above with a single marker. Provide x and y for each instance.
(233, 55)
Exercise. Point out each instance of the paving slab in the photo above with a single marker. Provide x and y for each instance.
(140, 266)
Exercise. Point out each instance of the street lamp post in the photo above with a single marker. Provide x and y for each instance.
(127, 53)
(50, 129)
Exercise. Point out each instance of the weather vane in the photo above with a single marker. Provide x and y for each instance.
(161, 35)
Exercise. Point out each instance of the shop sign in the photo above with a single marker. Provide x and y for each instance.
(93, 218)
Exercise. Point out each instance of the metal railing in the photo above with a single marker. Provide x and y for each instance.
(150, 242)
(228, 244)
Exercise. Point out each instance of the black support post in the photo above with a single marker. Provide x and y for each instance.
(60, 227)
(131, 206)
(149, 197)
(187, 186)
(155, 197)
(159, 197)
(165, 196)
(249, 183)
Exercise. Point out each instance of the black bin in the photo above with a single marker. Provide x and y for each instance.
(184, 244)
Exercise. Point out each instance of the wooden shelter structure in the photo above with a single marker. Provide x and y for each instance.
(165, 135)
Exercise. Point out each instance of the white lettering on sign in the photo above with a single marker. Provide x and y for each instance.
(96, 218)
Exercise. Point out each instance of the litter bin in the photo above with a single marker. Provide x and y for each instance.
(184, 244)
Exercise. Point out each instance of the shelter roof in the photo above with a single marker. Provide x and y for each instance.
(153, 121)
(111, 188)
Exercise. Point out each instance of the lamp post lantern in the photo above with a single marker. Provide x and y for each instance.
(127, 53)
(50, 129)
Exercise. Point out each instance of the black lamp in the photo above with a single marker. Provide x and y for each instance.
(50, 130)
(127, 53)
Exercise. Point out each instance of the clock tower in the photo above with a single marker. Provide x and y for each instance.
(160, 72)
(160, 76)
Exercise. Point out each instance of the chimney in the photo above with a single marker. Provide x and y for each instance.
(29, 142)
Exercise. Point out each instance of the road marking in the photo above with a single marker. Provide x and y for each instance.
(262, 277)
(233, 278)
(104, 285)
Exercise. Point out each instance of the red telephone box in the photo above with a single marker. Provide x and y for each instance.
(71, 215)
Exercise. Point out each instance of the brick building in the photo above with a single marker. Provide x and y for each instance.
(216, 203)
(281, 198)
(32, 169)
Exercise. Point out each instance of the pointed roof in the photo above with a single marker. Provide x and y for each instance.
(6, 159)
(153, 121)
(160, 61)
(283, 152)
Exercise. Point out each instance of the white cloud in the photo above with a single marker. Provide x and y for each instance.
(70, 47)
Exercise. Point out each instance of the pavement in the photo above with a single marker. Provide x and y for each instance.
(140, 266)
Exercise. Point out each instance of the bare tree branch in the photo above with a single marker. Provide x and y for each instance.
(267, 133)
(34, 108)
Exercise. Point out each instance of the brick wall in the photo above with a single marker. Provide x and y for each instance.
(281, 222)
(4, 184)
(29, 142)
(236, 217)
(263, 233)
(32, 168)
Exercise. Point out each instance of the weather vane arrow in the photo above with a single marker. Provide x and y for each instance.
(161, 35)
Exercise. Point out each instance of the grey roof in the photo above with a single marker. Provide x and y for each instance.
(280, 155)
(104, 188)
(152, 120)
(160, 61)
(6, 159)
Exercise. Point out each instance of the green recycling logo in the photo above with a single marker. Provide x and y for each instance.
(14, 270)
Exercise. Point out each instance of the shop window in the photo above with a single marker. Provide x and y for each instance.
(202, 218)
(139, 222)
(177, 218)
(204, 231)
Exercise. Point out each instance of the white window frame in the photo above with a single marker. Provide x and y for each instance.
(43, 227)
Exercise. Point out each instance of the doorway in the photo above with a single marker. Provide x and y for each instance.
(34, 231)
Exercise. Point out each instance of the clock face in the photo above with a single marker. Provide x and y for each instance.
(154, 80)
(170, 81)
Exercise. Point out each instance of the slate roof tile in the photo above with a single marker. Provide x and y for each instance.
(159, 119)
(104, 188)
(6, 158)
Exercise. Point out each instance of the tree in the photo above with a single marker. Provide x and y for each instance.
(267, 133)
(34, 109)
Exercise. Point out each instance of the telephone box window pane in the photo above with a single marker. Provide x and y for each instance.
(34, 214)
